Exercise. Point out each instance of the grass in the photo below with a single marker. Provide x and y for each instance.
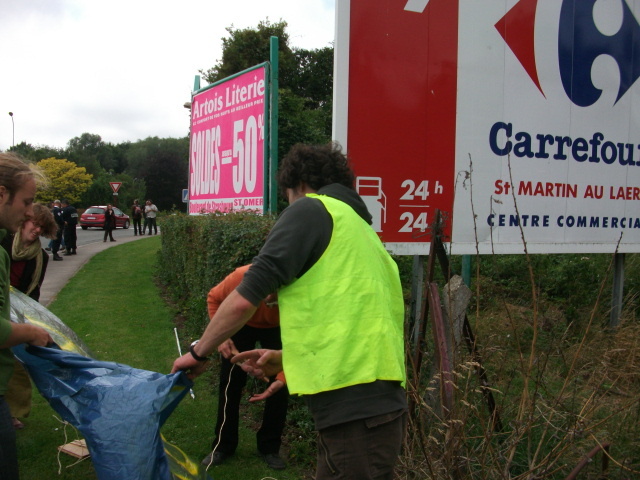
(114, 305)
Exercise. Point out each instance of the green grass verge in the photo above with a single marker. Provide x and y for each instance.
(114, 305)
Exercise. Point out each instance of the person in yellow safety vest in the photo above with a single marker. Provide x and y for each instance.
(341, 317)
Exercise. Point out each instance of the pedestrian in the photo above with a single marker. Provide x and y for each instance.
(136, 215)
(341, 317)
(109, 223)
(28, 267)
(17, 192)
(57, 241)
(263, 328)
(70, 219)
(150, 215)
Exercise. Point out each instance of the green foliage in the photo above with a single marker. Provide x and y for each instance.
(164, 164)
(199, 251)
(67, 180)
(305, 79)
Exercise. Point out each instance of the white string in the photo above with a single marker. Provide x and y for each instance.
(224, 417)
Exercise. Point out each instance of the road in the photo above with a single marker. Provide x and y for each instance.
(92, 235)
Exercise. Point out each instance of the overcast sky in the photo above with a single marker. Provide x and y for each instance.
(123, 69)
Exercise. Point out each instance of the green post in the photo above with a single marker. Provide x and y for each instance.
(273, 128)
(466, 270)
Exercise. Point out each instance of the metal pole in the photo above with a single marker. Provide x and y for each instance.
(273, 127)
(13, 129)
(618, 288)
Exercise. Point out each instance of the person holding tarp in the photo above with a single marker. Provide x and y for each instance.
(341, 317)
(28, 267)
(263, 328)
(17, 193)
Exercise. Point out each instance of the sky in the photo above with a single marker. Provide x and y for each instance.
(123, 69)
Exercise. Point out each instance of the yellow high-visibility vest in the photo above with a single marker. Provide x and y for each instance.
(342, 322)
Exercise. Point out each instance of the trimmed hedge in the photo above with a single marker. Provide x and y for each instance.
(197, 252)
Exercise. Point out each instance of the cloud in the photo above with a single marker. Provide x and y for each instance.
(123, 69)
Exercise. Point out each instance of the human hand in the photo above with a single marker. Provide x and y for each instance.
(270, 390)
(40, 337)
(192, 367)
(228, 349)
(260, 363)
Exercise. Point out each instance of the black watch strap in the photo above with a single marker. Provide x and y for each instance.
(194, 354)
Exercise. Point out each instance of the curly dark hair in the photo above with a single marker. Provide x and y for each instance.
(315, 165)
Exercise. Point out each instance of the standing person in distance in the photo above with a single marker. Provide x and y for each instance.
(263, 328)
(28, 267)
(150, 214)
(109, 223)
(341, 317)
(17, 192)
(70, 219)
(136, 215)
(57, 216)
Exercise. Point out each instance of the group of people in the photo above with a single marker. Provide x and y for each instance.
(322, 298)
(66, 218)
(341, 317)
(148, 213)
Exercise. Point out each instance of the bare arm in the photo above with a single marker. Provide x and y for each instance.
(25, 333)
(233, 313)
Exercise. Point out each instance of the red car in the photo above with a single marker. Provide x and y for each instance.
(94, 217)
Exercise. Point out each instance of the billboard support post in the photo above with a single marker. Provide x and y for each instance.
(272, 191)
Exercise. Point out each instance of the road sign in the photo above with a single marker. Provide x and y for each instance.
(115, 186)
(185, 195)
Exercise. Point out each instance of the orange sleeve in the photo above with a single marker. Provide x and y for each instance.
(221, 291)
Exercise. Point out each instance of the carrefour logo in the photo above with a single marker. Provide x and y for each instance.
(581, 40)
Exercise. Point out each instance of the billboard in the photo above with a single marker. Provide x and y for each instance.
(227, 145)
(514, 118)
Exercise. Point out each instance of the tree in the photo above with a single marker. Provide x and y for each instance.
(84, 151)
(305, 81)
(164, 165)
(34, 154)
(67, 180)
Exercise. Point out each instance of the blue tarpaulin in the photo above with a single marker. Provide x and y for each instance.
(118, 409)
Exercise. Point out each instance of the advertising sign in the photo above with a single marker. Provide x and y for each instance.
(227, 149)
(517, 120)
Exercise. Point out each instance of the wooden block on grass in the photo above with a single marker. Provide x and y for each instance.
(77, 448)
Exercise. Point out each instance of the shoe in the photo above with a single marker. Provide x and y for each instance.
(113, 239)
(75, 252)
(67, 253)
(218, 458)
(57, 258)
(47, 249)
(274, 461)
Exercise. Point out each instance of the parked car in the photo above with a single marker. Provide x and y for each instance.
(94, 217)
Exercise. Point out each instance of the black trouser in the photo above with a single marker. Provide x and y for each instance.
(275, 408)
(70, 237)
(56, 241)
(8, 447)
(136, 226)
(109, 232)
(151, 221)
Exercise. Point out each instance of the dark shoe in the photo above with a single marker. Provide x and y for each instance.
(67, 253)
(57, 258)
(218, 458)
(47, 249)
(75, 252)
(274, 461)
(113, 239)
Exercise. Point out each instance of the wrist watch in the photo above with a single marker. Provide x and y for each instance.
(194, 354)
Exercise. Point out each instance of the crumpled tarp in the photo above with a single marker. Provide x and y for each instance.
(118, 409)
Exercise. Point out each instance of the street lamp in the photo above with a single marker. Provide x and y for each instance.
(13, 126)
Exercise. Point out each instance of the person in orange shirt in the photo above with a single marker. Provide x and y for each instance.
(263, 328)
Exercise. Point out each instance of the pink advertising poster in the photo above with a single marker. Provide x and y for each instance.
(227, 151)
